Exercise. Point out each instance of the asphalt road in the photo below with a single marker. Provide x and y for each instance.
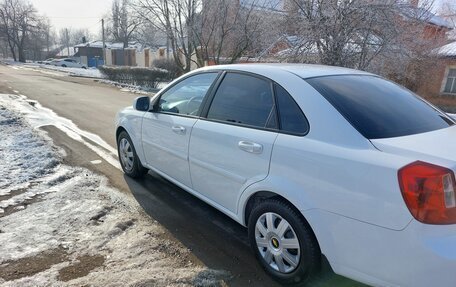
(215, 240)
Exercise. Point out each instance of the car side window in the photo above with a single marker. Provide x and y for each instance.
(243, 99)
(186, 97)
(292, 119)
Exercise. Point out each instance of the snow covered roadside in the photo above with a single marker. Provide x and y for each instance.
(61, 71)
(63, 225)
(78, 72)
(85, 73)
(133, 88)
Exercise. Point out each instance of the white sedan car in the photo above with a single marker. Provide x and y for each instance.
(315, 161)
(70, 63)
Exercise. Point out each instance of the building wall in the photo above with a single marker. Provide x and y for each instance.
(448, 63)
(108, 58)
(437, 76)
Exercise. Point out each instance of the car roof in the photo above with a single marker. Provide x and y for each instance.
(301, 70)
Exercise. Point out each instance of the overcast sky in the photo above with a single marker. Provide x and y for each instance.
(74, 13)
(80, 13)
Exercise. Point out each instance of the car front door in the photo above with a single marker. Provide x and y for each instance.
(231, 147)
(166, 130)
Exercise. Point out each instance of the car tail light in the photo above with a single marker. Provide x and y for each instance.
(429, 192)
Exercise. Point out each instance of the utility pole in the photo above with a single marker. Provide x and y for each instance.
(67, 37)
(47, 41)
(104, 45)
(167, 46)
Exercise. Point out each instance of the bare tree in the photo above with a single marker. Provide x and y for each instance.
(343, 33)
(203, 30)
(149, 35)
(124, 23)
(448, 12)
(64, 38)
(227, 30)
(18, 20)
(409, 59)
(173, 18)
(69, 37)
(39, 42)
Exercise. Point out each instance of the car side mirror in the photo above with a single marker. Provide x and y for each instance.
(141, 104)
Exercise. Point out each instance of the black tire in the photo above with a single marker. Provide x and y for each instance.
(64, 66)
(85, 68)
(310, 254)
(136, 170)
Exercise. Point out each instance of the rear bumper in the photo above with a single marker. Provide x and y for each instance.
(419, 255)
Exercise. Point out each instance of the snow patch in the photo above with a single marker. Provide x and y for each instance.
(21, 151)
(133, 88)
(80, 214)
(57, 71)
(86, 73)
(38, 116)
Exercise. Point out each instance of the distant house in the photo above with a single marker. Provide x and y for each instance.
(91, 53)
(435, 27)
(136, 54)
(446, 71)
(441, 75)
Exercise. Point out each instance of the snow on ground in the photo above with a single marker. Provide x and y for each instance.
(38, 116)
(133, 88)
(61, 71)
(17, 149)
(86, 73)
(63, 225)
(77, 72)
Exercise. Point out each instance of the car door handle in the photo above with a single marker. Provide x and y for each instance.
(250, 147)
(178, 130)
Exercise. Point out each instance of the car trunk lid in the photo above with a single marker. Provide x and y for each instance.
(437, 145)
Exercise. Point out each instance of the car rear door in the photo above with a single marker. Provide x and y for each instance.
(231, 146)
(166, 130)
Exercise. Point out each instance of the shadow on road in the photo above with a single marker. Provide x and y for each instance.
(214, 238)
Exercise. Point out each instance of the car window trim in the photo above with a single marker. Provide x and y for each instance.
(156, 100)
(225, 72)
(240, 125)
(207, 102)
(278, 114)
(271, 87)
(210, 98)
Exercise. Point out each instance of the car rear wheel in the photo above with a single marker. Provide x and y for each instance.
(283, 242)
(64, 65)
(128, 158)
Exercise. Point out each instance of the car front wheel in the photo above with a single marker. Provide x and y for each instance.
(283, 242)
(128, 158)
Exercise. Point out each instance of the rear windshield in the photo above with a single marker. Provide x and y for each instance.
(378, 108)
